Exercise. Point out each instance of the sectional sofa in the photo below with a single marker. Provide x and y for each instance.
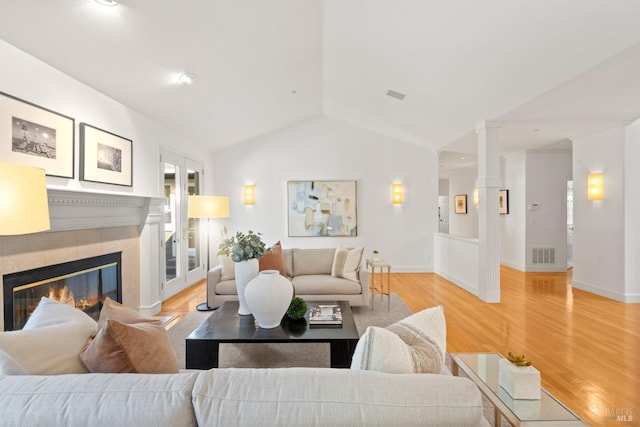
(241, 397)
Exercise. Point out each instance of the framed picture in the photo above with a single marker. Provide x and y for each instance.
(105, 157)
(461, 203)
(503, 202)
(35, 136)
(322, 208)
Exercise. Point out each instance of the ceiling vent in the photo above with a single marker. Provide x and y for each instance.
(397, 95)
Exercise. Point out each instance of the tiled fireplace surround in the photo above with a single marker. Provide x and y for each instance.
(89, 224)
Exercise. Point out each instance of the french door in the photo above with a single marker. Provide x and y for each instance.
(183, 263)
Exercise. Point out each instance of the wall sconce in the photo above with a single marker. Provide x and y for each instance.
(397, 194)
(476, 196)
(249, 194)
(595, 186)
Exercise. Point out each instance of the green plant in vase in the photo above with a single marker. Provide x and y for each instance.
(242, 246)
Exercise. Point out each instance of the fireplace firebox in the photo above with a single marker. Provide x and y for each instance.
(84, 284)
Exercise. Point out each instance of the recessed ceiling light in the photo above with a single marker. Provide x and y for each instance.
(107, 2)
(187, 78)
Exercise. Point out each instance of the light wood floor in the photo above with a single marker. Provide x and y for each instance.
(585, 346)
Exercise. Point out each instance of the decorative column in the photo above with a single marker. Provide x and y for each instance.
(488, 183)
(151, 268)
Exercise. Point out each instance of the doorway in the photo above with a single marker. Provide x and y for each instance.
(181, 177)
(569, 224)
(443, 214)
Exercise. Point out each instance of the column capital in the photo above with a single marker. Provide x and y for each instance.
(489, 182)
(482, 125)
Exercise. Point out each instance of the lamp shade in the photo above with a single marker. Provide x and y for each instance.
(208, 207)
(24, 205)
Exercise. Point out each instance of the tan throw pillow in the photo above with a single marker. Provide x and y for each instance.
(135, 348)
(228, 268)
(112, 310)
(272, 259)
(346, 263)
(421, 344)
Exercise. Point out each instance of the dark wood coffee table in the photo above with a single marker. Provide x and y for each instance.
(226, 326)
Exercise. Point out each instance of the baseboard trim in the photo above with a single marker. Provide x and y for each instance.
(607, 293)
(150, 310)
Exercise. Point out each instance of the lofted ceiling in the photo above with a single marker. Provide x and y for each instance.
(545, 69)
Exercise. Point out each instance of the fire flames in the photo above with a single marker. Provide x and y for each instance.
(63, 295)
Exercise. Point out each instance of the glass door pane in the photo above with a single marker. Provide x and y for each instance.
(172, 219)
(193, 248)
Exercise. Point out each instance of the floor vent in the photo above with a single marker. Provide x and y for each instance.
(543, 255)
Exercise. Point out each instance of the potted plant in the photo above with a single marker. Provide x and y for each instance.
(376, 255)
(244, 249)
(241, 246)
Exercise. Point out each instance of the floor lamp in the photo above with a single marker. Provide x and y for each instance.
(25, 205)
(209, 207)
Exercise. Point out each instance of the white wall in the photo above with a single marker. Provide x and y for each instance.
(443, 187)
(457, 259)
(27, 78)
(599, 233)
(632, 213)
(513, 227)
(463, 182)
(547, 174)
(326, 149)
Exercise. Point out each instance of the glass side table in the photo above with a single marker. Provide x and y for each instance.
(378, 269)
(482, 369)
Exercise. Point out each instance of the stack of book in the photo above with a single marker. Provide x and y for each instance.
(325, 314)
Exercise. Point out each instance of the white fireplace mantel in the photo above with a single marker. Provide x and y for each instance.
(71, 210)
(77, 210)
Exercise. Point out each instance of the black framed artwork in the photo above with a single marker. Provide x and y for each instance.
(105, 157)
(35, 136)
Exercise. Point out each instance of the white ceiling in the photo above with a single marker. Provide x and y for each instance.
(546, 69)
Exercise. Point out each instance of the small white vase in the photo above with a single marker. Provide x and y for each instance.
(245, 272)
(268, 296)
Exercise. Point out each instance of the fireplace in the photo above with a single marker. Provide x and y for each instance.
(83, 283)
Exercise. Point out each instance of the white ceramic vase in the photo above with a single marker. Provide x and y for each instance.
(245, 272)
(268, 296)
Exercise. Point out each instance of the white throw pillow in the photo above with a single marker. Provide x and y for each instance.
(228, 268)
(51, 312)
(49, 350)
(51, 340)
(346, 263)
(425, 333)
(8, 365)
(420, 341)
(381, 350)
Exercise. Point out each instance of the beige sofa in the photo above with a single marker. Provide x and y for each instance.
(310, 273)
(241, 397)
